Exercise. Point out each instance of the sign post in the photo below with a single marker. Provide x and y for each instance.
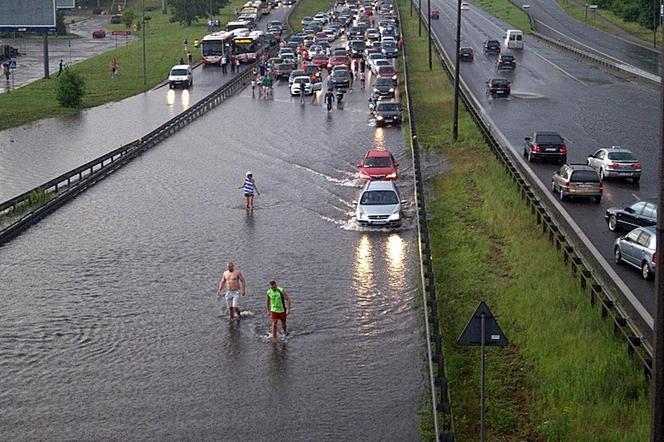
(482, 329)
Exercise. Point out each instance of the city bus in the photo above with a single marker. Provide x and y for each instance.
(249, 47)
(233, 25)
(214, 45)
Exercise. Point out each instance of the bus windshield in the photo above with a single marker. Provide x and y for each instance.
(212, 47)
(244, 46)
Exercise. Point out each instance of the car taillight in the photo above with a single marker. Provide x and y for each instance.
(654, 257)
(535, 148)
(601, 187)
(636, 166)
(614, 166)
(563, 149)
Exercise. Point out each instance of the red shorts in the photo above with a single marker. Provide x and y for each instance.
(280, 316)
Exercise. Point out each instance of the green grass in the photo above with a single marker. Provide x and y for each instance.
(506, 11)
(306, 8)
(164, 49)
(35, 199)
(565, 376)
(576, 10)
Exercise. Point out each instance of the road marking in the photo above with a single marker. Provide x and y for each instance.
(636, 197)
(556, 66)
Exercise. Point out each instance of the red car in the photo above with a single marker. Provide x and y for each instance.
(319, 60)
(99, 33)
(378, 165)
(338, 60)
(387, 71)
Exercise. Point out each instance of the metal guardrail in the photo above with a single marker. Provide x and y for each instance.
(440, 395)
(596, 277)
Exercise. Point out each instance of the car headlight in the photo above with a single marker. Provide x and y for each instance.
(379, 117)
(394, 77)
(394, 216)
(376, 91)
(391, 175)
(391, 89)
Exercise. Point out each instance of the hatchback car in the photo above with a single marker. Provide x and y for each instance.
(505, 63)
(639, 214)
(379, 204)
(498, 87)
(99, 33)
(387, 112)
(302, 82)
(378, 165)
(492, 47)
(637, 249)
(341, 78)
(616, 162)
(386, 71)
(466, 54)
(545, 146)
(577, 180)
(389, 49)
(384, 87)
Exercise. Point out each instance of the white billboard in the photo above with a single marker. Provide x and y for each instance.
(29, 15)
(65, 4)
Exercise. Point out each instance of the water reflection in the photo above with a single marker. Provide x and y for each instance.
(379, 139)
(396, 254)
(186, 99)
(170, 97)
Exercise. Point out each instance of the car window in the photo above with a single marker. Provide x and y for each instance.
(644, 239)
(379, 198)
(378, 162)
(600, 154)
(638, 207)
(584, 176)
(179, 72)
(549, 139)
(649, 211)
(621, 156)
(633, 235)
(388, 106)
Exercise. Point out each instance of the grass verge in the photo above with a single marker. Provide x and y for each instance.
(607, 21)
(564, 375)
(507, 12)
(163, 48)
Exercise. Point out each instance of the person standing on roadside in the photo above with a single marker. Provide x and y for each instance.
(61, 67)
(232, 62)
(189, 57)
(114, 66)
(224, 64)
(237, 64)
(233, 281)
(249, 188)
(278, 307)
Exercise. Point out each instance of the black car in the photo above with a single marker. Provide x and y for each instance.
(545, 146)
(387, 112)
(384, 87)
(466, 54)
(356, 32)
(639, 214)
(498, 87)
(506, 63)
(357, 48)
(492, 47)
(341, 78)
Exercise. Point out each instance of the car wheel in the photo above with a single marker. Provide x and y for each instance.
(645, 271)
(617, 256)
(561, 194)
(597, 199)
(613, 223)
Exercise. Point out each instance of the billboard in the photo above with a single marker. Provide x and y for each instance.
(65, 4)
(27, 15)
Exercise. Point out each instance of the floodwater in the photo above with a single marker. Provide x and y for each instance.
(110, 327)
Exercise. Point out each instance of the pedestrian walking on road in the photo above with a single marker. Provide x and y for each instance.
(232, 61)
(278, 307)
(114, 67)
(233, 281)
(253, 87)
(249, 188)
(237, 64)
(61, 67)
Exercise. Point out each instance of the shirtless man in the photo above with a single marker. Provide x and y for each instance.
(233, 281)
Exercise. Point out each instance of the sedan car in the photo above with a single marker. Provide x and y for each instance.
(384, 87)
(319, 60)
(639, 214)
(379, 204)
(341, 78)
(378, 165)
(99, 33)
(498, 87)
(465, 6)
(615, 162)
(505, 63)
(466, 54)
(545, 146)
(637, 249)
(492, 47)
(387, 112)
(577, 180)
(389, 49)
(386, 71)
(302, 82)
(338, 60)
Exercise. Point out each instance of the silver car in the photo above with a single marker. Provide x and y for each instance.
(615, 162)
(379, 204)
(637, 249)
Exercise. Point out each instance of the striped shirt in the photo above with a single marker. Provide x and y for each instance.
(249, 186)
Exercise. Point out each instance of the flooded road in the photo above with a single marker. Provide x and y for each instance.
(111, 328)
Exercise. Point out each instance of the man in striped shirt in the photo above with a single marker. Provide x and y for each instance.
(249, 187)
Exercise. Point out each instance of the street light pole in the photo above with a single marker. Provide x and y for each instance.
(455, 116)
(429, 25)
(419, 22)
(657, 415)
(145, 76)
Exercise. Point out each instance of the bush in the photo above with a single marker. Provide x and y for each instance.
(71, 88)
(97, 11)
(128, 17)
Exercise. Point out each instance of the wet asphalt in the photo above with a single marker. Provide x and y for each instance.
(111, 327)
(590, 107)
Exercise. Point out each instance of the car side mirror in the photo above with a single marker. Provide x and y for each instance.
(629, 210)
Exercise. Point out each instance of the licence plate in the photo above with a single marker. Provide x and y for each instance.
(551, 149)
(584, 186)
(624, 173)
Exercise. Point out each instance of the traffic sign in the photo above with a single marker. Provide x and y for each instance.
(121, 33)
(12, 63)
(472, 334)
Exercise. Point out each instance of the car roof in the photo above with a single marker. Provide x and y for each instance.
(305, 77)
(547, 132)
(181, 66)
(615, 149)
(575, 166)
(380, 185)
(378, 154)
(649, 229)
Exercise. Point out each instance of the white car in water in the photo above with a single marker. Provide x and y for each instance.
(302, 82)
(379, 205)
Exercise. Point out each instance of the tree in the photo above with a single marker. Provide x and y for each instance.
(187, 12)
(128, 17)
(70, 89)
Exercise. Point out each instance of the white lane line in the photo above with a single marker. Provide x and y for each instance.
(636, 197)
(532, 51)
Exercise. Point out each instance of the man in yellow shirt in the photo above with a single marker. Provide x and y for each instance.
(278, 306)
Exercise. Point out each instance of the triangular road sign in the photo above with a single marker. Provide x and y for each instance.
(472, 334)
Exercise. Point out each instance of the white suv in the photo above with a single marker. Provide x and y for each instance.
(379, 204)
(180, 75)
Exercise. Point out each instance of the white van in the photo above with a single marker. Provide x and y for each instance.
(513, 39)
(180, 75)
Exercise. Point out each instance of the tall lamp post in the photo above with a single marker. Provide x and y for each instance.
(429, 25)
(419, 22)
(145, 76)
(455, 115)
